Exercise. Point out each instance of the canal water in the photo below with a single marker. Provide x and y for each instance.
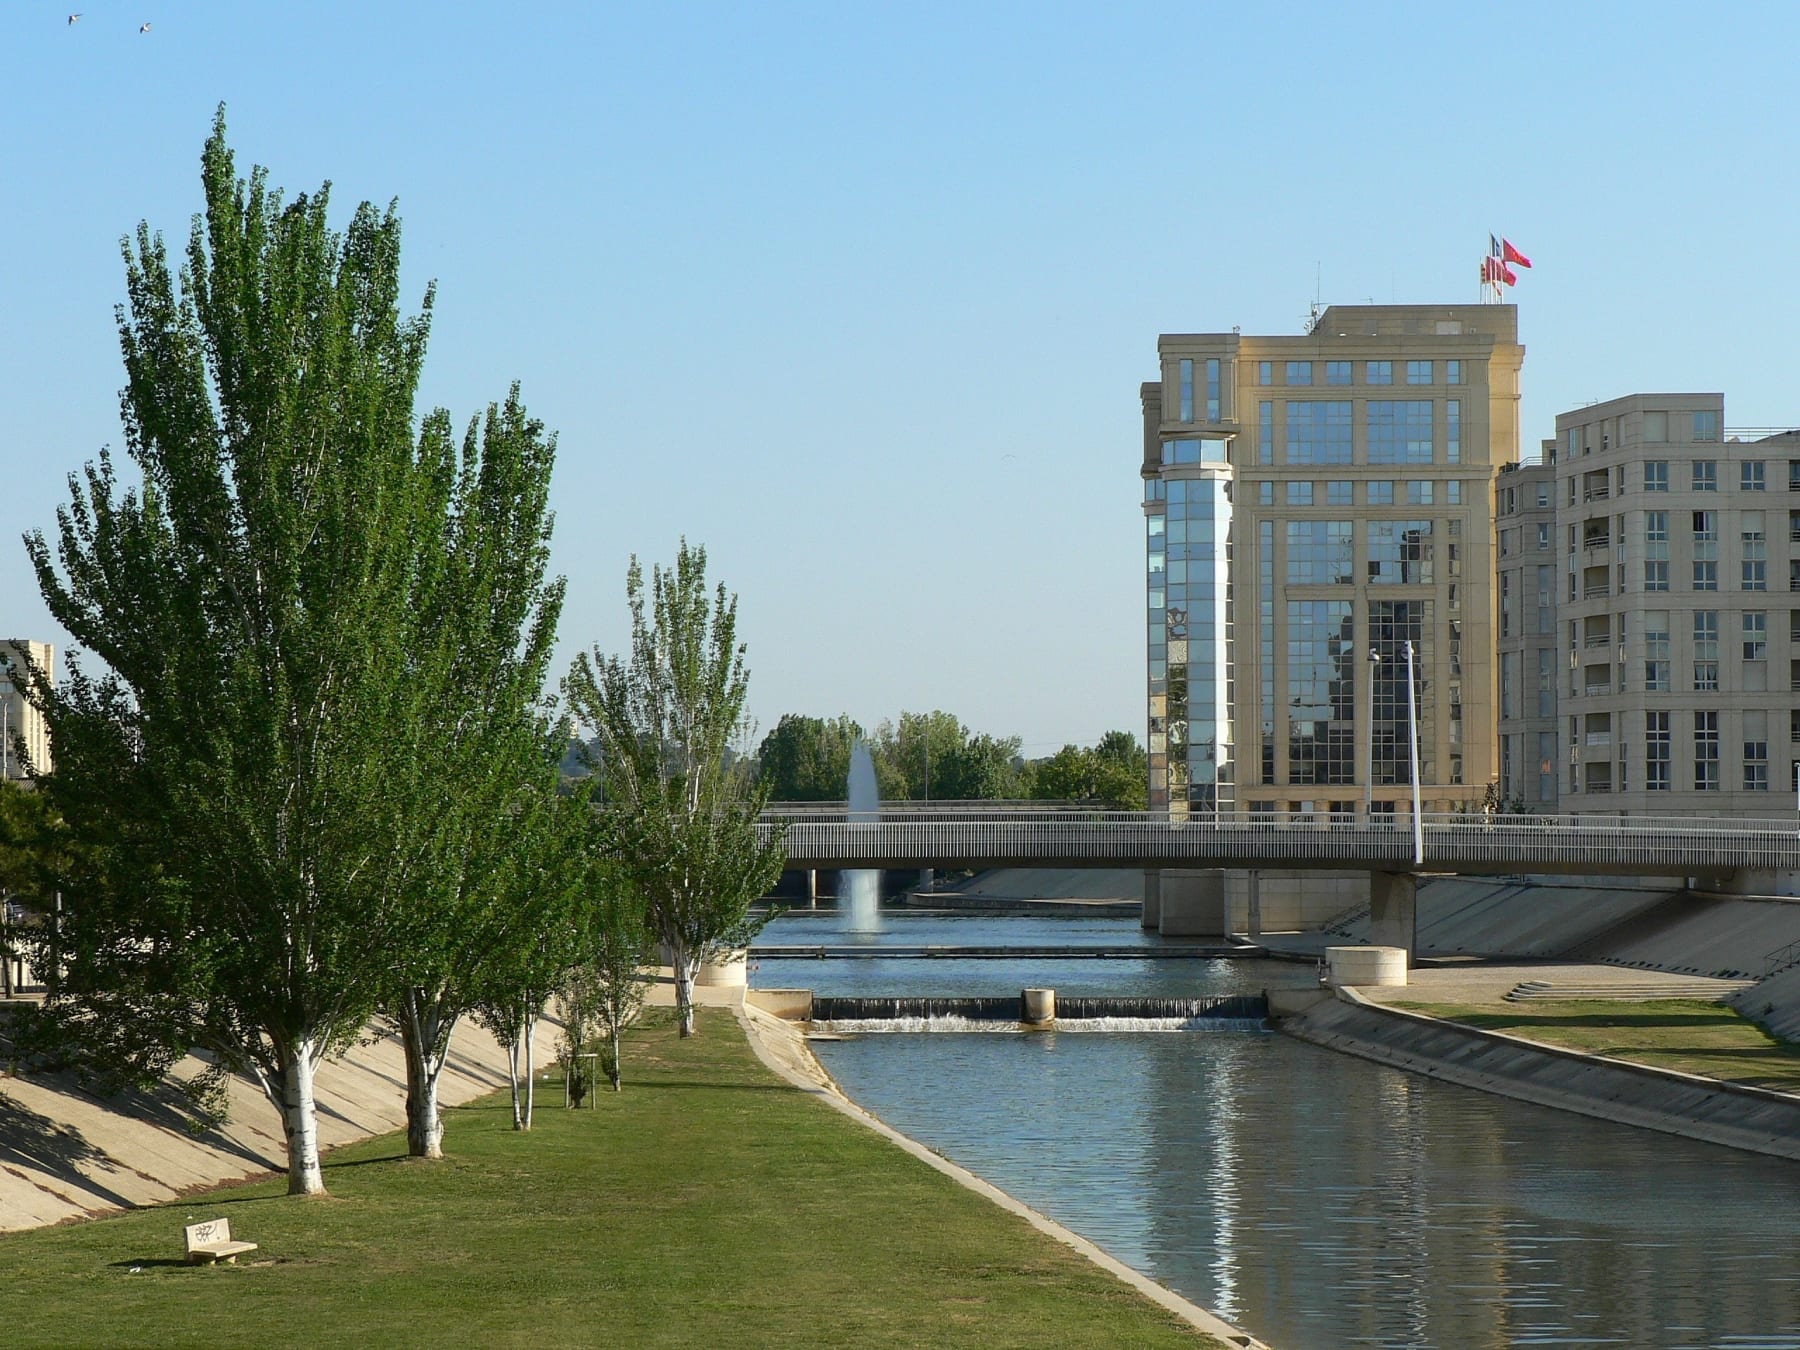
(1315, 1199)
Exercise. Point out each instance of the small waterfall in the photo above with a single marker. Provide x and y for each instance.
(859, 891)
(1219, 1012)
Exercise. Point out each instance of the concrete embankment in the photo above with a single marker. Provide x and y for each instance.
(65, 1153)
(1610, 1089)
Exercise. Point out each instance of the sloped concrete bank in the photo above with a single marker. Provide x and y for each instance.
(1633, 1094)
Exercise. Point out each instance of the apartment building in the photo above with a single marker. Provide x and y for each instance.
(19, 721)
(1677, 656)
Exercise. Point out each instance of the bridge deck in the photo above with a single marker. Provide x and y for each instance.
(1584, 845)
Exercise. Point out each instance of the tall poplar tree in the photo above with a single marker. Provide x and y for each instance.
(681, 807)
(264, 777)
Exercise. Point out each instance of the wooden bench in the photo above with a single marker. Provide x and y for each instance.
(211, 1241)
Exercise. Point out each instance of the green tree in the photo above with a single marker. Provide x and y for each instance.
(1114, 773)
(934, 757)
(681, 809)
(265, 780)
(807, 759)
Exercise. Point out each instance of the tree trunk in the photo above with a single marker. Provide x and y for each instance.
(300, 1121)
(512, 1074)
(425, 1040)
(684, 967)
(616, 1073)
(530, 1069)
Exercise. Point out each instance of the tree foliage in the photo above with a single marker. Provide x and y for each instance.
(265, 783)
(681, 808)
(934, 757)
(807, 759)
(1114, 773)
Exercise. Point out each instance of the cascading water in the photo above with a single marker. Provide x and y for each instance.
(859, 891)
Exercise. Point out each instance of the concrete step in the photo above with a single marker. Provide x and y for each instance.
(1640, 989)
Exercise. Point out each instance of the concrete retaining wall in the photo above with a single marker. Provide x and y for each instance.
(1657, 1099)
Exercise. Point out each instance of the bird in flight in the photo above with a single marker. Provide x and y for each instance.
(144, 29)
(73, 17)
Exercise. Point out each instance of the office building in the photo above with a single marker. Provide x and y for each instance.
(1313, 501)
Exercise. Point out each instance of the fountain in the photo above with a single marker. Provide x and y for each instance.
(859, 890)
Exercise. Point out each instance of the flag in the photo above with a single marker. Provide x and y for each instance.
(1494, 272)
(1493, 246)
(1509, 254)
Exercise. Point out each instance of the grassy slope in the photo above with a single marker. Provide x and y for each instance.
(1694, 1037)
(708, 1204)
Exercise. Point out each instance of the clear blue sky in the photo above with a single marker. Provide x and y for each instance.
(860, 296)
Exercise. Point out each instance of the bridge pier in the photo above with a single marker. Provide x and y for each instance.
(812, 888)
(1394, 911)
(1193, 904)
(1152, 916)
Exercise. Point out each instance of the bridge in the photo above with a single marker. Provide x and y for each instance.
(972, 837)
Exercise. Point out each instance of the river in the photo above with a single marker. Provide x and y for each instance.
(1315, 1199)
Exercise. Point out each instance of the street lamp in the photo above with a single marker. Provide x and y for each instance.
(1412, 723)
(1369, 740)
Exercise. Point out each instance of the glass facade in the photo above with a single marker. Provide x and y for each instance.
(1189, 552)
(1318, 432)
(1399, 431)
(1392, 624)
(1321, 692)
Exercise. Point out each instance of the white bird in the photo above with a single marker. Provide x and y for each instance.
(73, 17)
(144, 29)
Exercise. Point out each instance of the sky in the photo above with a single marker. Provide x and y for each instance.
(859, 297)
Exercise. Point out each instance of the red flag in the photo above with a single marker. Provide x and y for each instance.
(1510, 277)
(1509, 254)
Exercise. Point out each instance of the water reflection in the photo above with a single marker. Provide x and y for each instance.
(1322, 1201)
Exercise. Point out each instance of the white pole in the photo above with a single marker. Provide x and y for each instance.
(1412, 721)
(1369, 738)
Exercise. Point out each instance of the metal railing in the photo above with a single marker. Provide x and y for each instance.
(968, 835)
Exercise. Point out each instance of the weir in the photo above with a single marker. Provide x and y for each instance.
(1220, 1012)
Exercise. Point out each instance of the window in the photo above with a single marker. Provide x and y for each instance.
(1706, 751)
(1656, 427)
(1656, 577)
(1265, 494)
(1453, 492)
(1453, 372)
(1543, 535)
(1656, 527)
(1794, 724)
(1299, 372)
(1756, 750)
(1453, 431)
(1706, 576)
(1338, 492)
(1754, 568)
(1656, 751)
(1656, 475)
(1756, 634)
(1318, 432)
(1418, 372)
(1794, 575)
(1546, 596)
(1381, 493)
(1212, 389)
(1418, 492)
(1399, 431)
(1750, 476)
(1706, 426)
(1265, 431)
(1656, 651)
(1543, 496)
(1187, 390)
(1706, 651)
(1337, 372)
(1299, 494)
(1706, 475)
(1794, 475)
(1319, 553)
(1265, 372)
(1378, 372)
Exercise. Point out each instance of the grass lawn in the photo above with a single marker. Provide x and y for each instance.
(1684, 1034)
(709, 1204)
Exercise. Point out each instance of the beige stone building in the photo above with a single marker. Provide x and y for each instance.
(1311, 500)
(1531, 663)
(1677, 624)
(18, 719)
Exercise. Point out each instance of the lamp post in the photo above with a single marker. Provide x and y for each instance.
(1369, 740)
(1412, 723)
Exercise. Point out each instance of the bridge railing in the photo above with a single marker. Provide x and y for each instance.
(974, 832)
